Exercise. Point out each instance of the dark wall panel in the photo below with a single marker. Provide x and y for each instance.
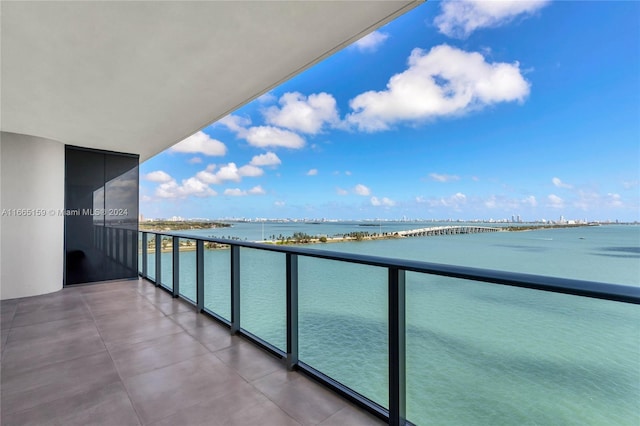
(101, 222)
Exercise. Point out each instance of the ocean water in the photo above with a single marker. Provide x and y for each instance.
(477, 354)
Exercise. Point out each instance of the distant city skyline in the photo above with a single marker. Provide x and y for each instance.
(457, 110)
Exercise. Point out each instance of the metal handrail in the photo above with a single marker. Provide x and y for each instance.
(593, 289)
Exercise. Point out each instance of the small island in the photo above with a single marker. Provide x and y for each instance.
(177, 225)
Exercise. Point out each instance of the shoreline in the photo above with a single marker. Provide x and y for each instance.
(304, 239)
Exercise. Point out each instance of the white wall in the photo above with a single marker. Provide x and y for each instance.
(32, 247)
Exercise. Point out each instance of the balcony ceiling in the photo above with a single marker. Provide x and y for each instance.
(141, 76)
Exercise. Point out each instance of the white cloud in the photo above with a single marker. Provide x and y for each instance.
(229, 172)
(195, 160)
(200, 143)
(265, 136)
(445, 81)
(384, 201)
(250, 171)
(267, 98)
(630, 184)
(303, 114)
(491, 202)
(235, 123)
(557, 182)
(237, 192)
(158, 176)
(371, 42)
(347, 172)
(614, 200)
(312, 172)
(192, 186)
(530, 200)
(555, 201)
(257, 190)
(208, 177)
(279, 203)
(360, 189)
(443, 178)
(268, 159)
(453, 201)
(341, 191)
(459, 18)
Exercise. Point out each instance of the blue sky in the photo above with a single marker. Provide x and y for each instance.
(458, 109)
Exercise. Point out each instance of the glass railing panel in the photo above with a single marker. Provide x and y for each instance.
(482, 353)
(140, 253)
(263, 295)
(188, 269)
(217, 279)
(151, 256)
(343, 324)
(166, 266)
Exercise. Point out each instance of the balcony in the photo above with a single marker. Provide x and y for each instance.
(127, 353)
(234, 331)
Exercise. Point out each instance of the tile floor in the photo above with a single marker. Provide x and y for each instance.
(126, 353)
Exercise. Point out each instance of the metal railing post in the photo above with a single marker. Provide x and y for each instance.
(199, 275)
(158, 260)
(235, 289)
(397, 347)
(175, 251)
(292, 311)
(125, 255)
(145, 259)
(116, 240)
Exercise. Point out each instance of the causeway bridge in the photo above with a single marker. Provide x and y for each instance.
(446, 230)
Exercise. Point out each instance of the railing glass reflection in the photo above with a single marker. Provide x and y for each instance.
(263, 295)
(217, 289)
(187, 268)
(529, 356)
(343, 327)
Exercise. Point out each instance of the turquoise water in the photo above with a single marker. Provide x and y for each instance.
(477, 354)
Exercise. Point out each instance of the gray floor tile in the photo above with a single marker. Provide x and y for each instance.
(165, 391)
(251, 362)
(123, 295)
(47, 314)
(116, 308)
(115, 337)
(67, 328)
(7, 311)
(24, 355)
(151, 354)
(209, 332)
(108, 405)
(109, 286)
(301, 398)
(3, 339)
(265, 414)
(174, 306)
(225, 407)
(159, 296)
(56, 381)
(352, 416)
(65, 298)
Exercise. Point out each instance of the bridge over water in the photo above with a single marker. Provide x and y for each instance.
(446, 230)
